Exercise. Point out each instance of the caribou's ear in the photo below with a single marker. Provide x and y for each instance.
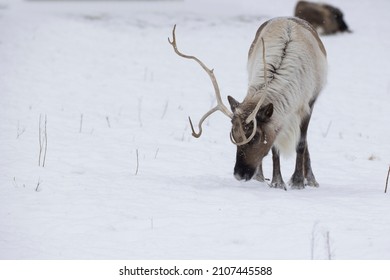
(265, 113)
(233, 103)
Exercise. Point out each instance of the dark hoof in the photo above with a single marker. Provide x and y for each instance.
(297, 187)
(278, 185)
(311, 183)
(296, 183)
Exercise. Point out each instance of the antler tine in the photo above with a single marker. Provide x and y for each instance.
(197, 135)
(252, 116)
(246, 140)
(262, 98)
(220, 106)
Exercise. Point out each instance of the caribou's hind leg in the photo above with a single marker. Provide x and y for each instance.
(303, 172)
(297, 180)
(310, 180)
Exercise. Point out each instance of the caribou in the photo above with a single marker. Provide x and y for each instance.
(325, 18)
(287, 70)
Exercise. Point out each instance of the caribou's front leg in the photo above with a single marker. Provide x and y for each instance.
(277, 179)
(259, 174)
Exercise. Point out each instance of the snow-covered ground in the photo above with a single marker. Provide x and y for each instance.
(124, 178)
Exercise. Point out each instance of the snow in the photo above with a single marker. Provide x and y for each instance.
(124, 178)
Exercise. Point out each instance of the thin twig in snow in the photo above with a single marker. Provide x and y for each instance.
(165, 109)
(40, 139)
(136, 170)
(108, 121)
(44, 156)
(387, 179)
(327, 130)
(20, 131)
(38, 184)
(328, 246)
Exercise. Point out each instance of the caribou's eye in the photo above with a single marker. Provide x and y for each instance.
(248, 128)
(256, 137)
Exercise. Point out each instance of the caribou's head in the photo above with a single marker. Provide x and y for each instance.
(253, 135)
(338, 16)
(251, 132)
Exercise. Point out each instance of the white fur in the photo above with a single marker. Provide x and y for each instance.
(294, 51)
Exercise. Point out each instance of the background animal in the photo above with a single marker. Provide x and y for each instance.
(326, 19)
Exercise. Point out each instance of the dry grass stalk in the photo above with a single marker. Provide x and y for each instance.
(136, 170)
(42, 141)
(387, 179)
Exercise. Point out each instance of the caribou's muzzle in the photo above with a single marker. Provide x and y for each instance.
(242, 172)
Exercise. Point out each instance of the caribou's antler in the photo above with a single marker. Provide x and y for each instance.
(249, 119)
(220, 106)
(252, 116)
